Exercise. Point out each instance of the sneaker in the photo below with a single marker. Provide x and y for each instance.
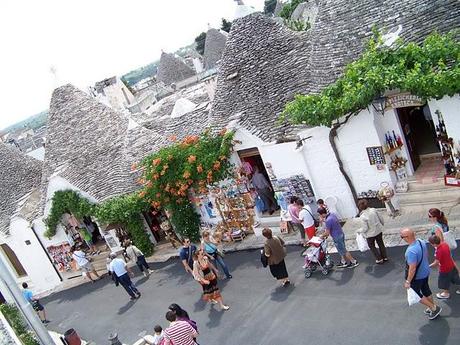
(342, 265)
(225, 307)
(385, 259)
(229, 276)
(440, 295)
(353, 264)
(379, 262)
(427, 311)
(145, 274)
(138, 295)
(45, 322)
(457, 292)
(151, 271)
(434, 314)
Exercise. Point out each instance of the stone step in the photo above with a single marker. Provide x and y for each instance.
(415, 186)
(429, 196)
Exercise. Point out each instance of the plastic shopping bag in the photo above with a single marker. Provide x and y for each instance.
(412, 297)
(449, 238)
(362, 243)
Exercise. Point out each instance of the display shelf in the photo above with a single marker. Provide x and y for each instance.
(390, 151)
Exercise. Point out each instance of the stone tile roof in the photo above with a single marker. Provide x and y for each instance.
(213, 47)
(265, 64)
(86, 144)
(172, 69)
(20, 175)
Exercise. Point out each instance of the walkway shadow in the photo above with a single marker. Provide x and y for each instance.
(199, 305)
(379, 271)
(281, 293)
(141, 281)
(434, 332)
(215, 316)
(126, 307)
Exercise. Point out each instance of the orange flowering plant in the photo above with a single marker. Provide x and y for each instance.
(193, 162)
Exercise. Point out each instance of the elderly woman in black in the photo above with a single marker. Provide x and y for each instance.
(275, 252)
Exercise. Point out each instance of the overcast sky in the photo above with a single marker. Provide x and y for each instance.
(89, 40)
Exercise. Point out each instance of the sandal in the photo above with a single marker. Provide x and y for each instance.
(379, 262)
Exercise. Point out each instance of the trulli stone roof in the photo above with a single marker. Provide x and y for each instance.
(20, 175)
(265, 64)
(213, 47)
(86, 144)
(172, 69)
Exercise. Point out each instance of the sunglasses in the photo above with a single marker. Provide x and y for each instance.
(404, 236)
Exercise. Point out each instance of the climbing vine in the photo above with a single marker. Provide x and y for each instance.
(185, 166)
(124, 209)
(430, 70)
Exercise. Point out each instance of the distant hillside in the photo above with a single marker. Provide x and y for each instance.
(33, 122)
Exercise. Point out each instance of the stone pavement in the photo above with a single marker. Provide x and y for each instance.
(366, 305)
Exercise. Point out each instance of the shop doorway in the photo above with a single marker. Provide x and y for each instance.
(250, 158)
(419, 132)
(154, 218)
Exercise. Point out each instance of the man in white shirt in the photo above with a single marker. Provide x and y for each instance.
(122, 274)
(80, 258)
(265, 191)
(306, 216)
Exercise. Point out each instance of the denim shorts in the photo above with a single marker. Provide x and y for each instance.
(340, 245)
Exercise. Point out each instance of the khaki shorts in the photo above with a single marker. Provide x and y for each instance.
(87, 267)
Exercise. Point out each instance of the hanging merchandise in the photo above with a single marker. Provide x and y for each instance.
(450, 156)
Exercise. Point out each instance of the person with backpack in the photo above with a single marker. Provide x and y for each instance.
(135, 254)
(308, 221)
(36, 305)
(418, 272)
(275, 252)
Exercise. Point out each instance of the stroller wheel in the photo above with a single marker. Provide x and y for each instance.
(325, 272)
(307, 274)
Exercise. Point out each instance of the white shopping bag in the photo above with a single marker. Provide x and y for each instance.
(449, 238)
(362, 243)
(412, 297)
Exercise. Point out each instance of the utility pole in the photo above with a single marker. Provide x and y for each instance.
(24, 306)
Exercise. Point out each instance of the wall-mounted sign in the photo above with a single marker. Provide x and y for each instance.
(403, 100)
(375, 155)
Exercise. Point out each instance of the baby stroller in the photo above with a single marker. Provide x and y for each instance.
(316, 256)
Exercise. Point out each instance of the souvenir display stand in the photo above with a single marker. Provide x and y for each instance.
(450, 152)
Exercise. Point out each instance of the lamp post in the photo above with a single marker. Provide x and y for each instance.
(379, 104)
(24, 306)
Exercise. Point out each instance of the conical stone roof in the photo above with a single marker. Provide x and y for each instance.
(19, 176)
(172, 70)
(213, 47)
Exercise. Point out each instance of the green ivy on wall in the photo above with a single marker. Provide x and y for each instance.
(429, 70)
(18, 324)
(124, 209)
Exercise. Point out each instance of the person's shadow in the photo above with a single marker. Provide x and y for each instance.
(434, 332)
(281, 293)
(215, 316)
(379, 271)
(126, 307)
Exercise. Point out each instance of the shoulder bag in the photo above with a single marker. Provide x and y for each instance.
(418, 265)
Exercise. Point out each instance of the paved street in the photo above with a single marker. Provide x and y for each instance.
(362, 306)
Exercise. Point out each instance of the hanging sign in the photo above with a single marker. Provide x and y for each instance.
(403, 100)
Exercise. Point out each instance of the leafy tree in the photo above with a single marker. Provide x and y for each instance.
(226, 25)
(199, 41)
(269, 6)
(289, 8)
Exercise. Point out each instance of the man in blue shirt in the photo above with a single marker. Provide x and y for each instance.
(28, 295)
(334, 229)
(418, 271)
(186, 254)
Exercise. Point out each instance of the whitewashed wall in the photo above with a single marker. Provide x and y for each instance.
(449, 107)
(41, 275)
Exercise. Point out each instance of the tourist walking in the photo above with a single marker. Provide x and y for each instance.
(210, 248)
(122, 274)
(136, 255)
(182, 315)
(296, 222)
(418, 272)
(36, 305)
(186, 254)
(372, 230)
(334, 229)
(265, 191)
(178, 332)
(439, 220)
(448, 269)
(306, 216)
(83, 262)
(275, 252)
(206, 274)
(86, 236)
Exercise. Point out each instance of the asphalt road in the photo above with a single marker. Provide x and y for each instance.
(366, 305)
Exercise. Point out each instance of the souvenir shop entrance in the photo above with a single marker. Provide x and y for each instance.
(250, 158)
(419, 132)
(154, 219)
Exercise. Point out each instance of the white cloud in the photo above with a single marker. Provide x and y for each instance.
(88, 40)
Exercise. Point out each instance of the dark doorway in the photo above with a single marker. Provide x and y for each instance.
(154, 218)
(419, 131)
(253, 158)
